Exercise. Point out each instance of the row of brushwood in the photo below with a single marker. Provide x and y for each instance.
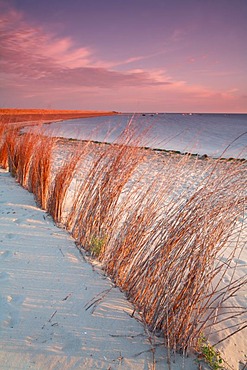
(166, 227)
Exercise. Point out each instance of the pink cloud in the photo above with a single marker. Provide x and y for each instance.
(39, 68)
(35, 55)
(192, 60)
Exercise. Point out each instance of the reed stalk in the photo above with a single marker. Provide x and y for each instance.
(168, 263)
(63, 180)
(3, 146)
(93, 209)
(39, 175)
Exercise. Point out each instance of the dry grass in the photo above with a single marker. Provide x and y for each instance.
(8, 115)
(26, 147)
(167, 255)
(3, 146)
(93, 211)
(62, 181)
(12, 143)
(29, 158)
(39, 174)
(159, 235)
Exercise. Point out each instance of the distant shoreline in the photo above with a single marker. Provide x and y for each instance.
(26, 117)
(12, 115)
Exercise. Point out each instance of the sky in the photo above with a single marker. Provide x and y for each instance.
(124, 55)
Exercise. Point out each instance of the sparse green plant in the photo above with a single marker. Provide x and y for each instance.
(210, 354)
(96, 245)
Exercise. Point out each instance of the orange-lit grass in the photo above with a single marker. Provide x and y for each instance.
(3, 146)
(168, 261)
(12, 144)
(28, 156)
(28, 143)
(92, 212)
(9, 115)
(39, 174)
(63, 180)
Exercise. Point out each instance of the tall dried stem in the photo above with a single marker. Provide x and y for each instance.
(39, 178)
(63, 180)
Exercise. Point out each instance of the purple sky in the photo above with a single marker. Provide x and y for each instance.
(124, 55)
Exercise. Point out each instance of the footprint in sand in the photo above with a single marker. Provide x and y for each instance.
(72, 344)
(239, 262)
(15, 299)
(4, 309)
(10, 236)
(17, 221)
(5, 254)
(4, 276)
(10, 310)
(226, 280)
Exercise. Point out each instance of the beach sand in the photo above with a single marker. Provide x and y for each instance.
(58, 311)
